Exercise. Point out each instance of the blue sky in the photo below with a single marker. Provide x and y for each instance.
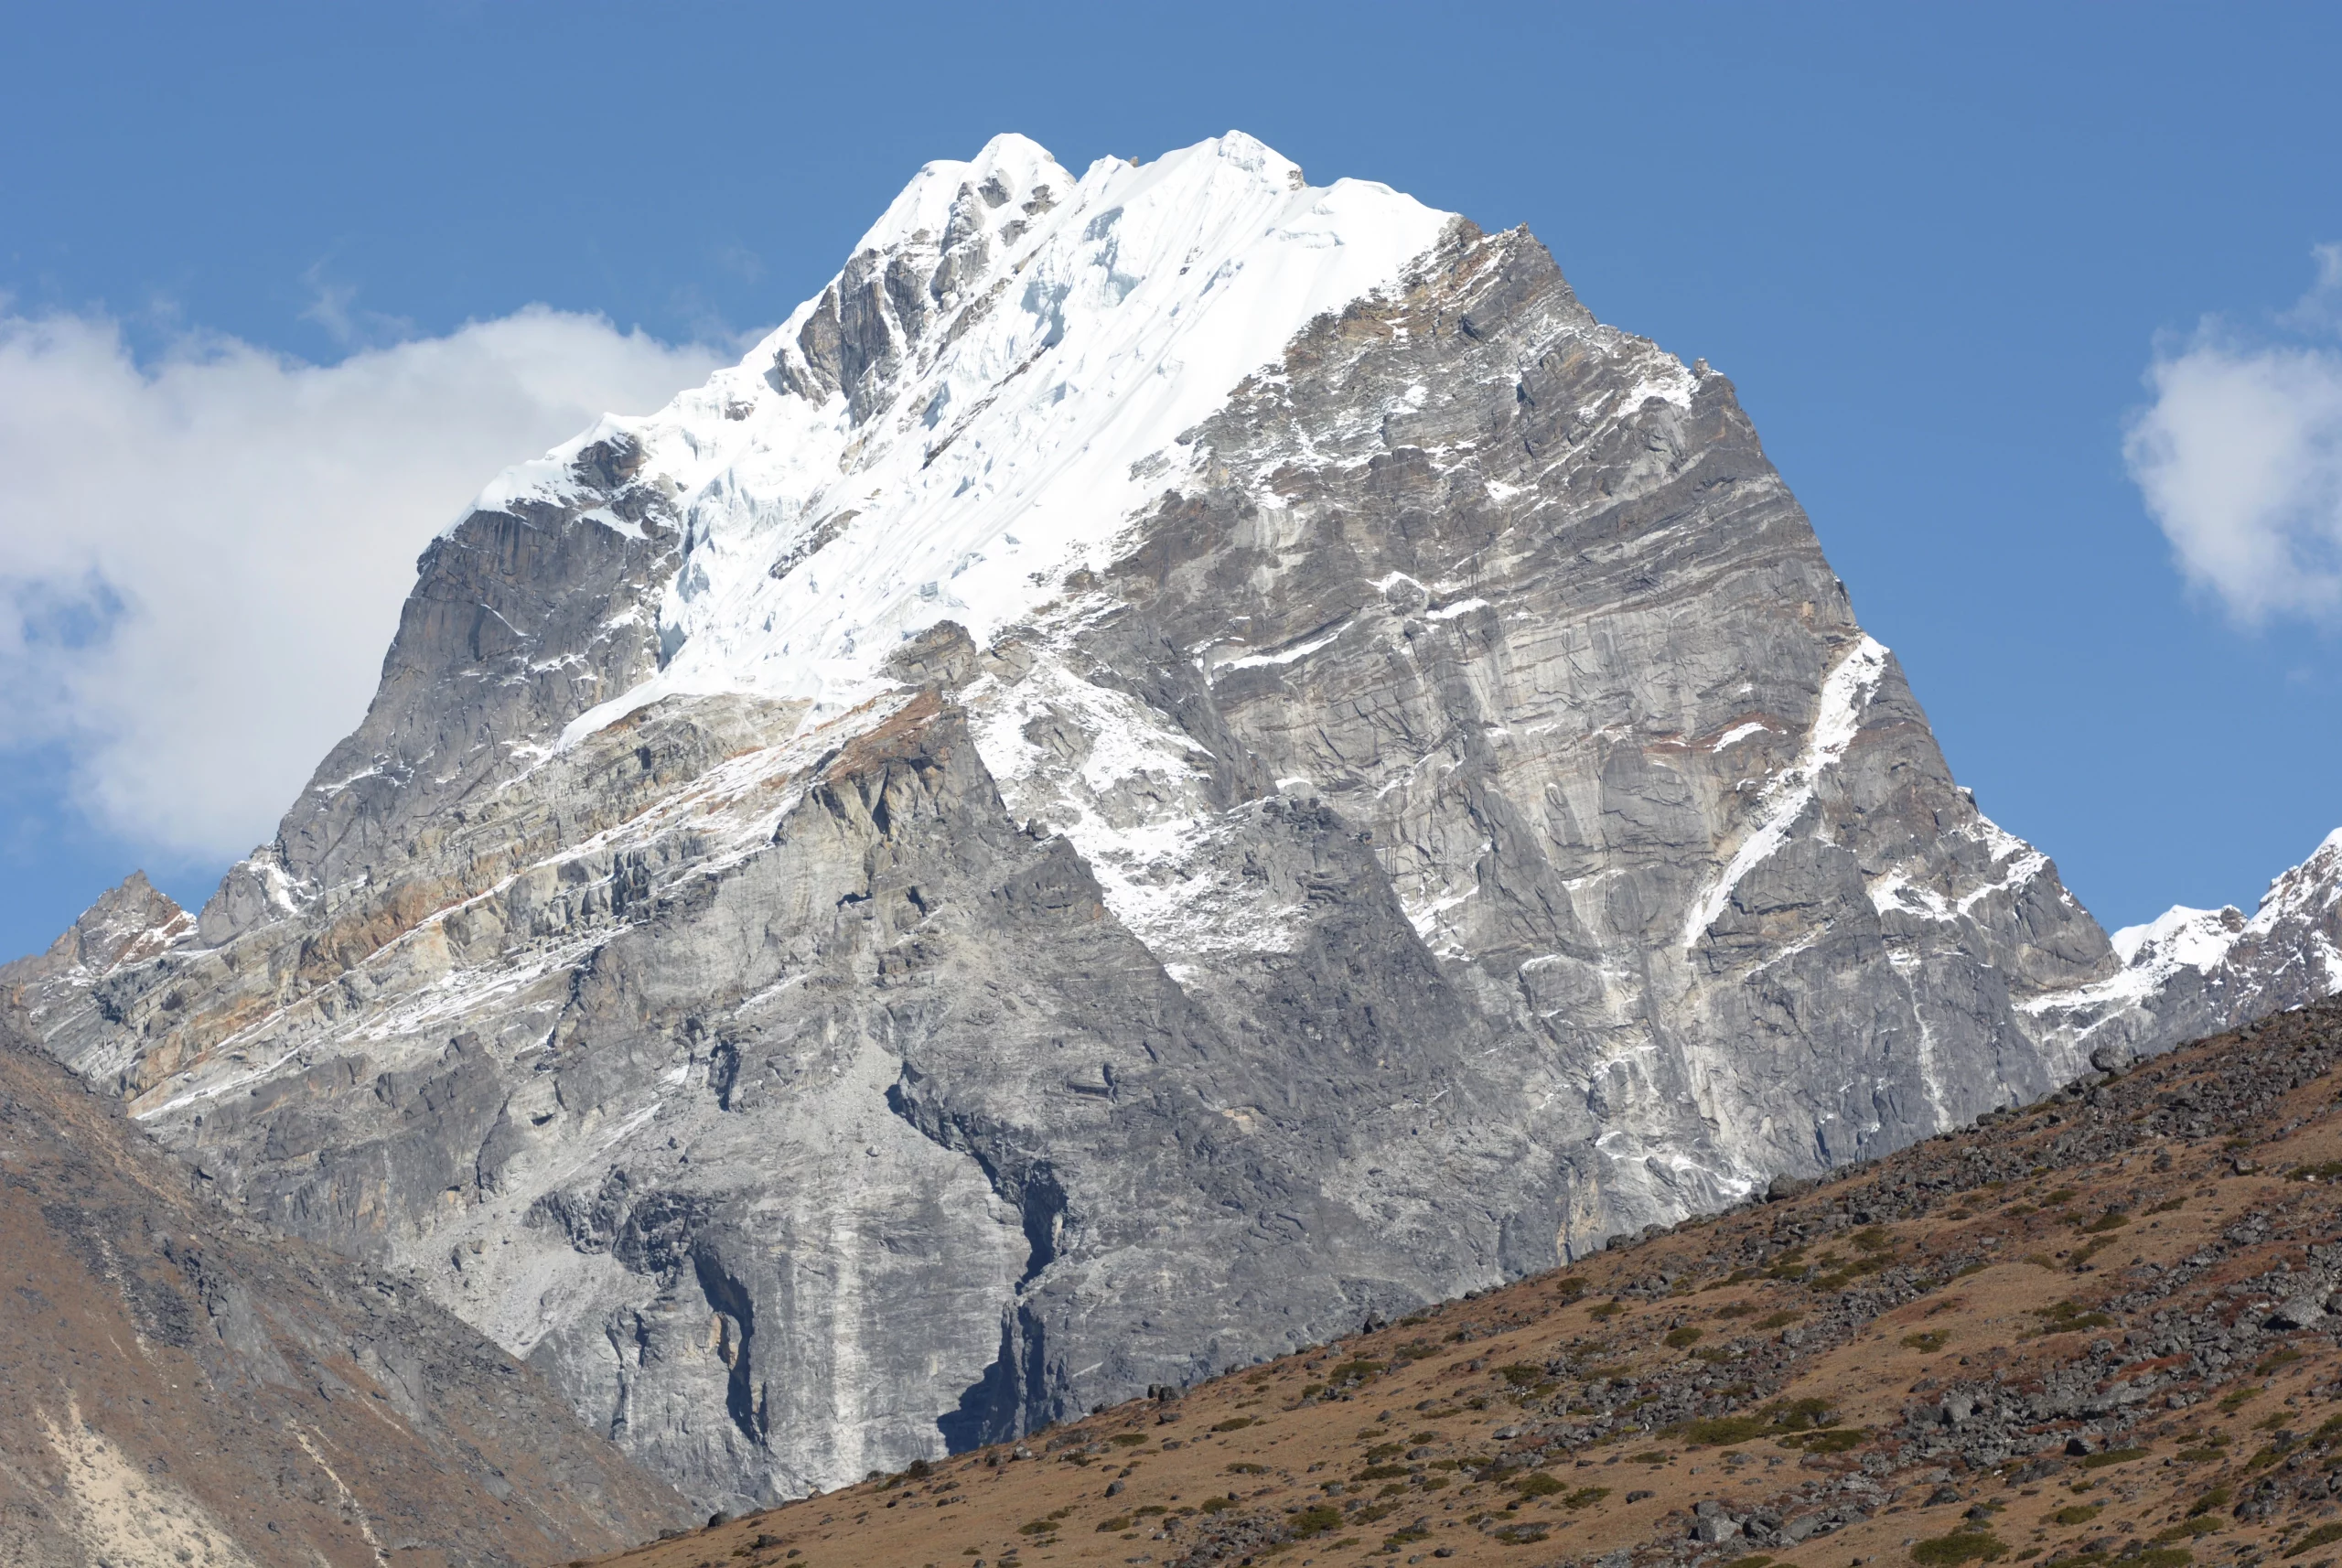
(1940, 251)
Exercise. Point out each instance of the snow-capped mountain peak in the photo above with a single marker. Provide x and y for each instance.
(1008, 166)
(1457, 816)
(978, 403)
(2192, 972)
(2305, 897)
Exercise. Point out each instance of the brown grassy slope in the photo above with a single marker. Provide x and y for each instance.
(2060, 1336)
(179, 1389)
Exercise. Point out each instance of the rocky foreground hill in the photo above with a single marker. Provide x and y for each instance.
(185, 1390)
(2101, 1330)
(1177, 759)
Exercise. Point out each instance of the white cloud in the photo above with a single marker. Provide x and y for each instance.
(2239, 458)
(2322, 306)
(202, 561)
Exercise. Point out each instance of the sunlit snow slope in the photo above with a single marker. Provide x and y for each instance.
(961, 474)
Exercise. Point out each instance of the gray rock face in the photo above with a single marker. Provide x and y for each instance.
(1441, 813)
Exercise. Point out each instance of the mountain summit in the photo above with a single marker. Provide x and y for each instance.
(979, 404)
(1178, 761)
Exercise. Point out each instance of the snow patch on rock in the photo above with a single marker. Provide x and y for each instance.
(1846, 693)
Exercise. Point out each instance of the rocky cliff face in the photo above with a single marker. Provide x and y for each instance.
(1916, 1349)
(186, 1387)
(1178, 760)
